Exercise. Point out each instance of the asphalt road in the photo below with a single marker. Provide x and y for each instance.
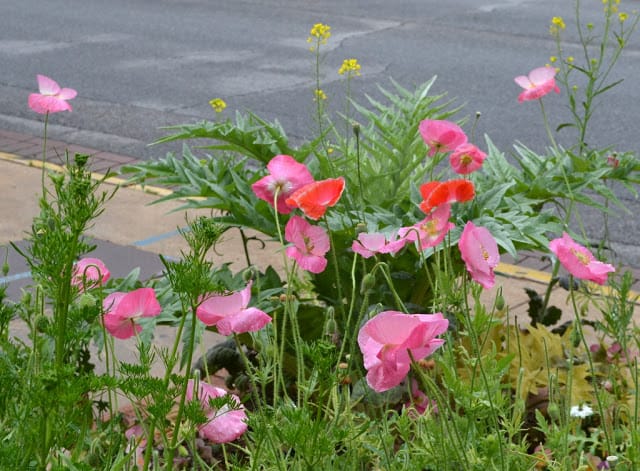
(142, 64)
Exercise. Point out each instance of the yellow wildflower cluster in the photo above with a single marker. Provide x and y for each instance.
(623, 17)
(611, 6)
(349, 67)
(557, 24)
(558, 21)
(319, 95)
(218, 105)
(319, 34)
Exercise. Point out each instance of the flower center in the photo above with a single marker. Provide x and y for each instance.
(466, 159)
(431, 227)
(308, 244)
(581, 257)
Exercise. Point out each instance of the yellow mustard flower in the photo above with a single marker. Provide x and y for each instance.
(623, 17)
(553, 59)
(218, 105)
(349, 67)
(319, 94)
(570, 59)
(320, 32)
(558, 21)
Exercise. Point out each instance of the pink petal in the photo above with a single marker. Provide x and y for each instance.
(311, 263)
(523, 81)
(542, 74)
(90, 271)
(110, 303)
(47, 86)
(224, 425)
(141, 302)
(247, 320)
(120, 327)
(480, 253)
(67, 94)
(216, 307)
(47, 104)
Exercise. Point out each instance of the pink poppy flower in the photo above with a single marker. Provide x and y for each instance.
(431, 230)
(466, 159)
(369, 244)
(225, 424)
(441, 135)
(230, 313)
(310, 244)
(578, 261)
(121, 310)
(479, 251)
(51, 98)
(286, 176)
(89, 273)
(537, 84)
(386, 340)
(314, 199)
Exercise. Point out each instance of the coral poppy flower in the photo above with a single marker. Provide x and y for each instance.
(579, 261)
(225, 424)
(123, 309)
(314, 199)
(286, 176)
(537, 84)
(431, 230)
(441, 135)
(466, 159)
(369, 244)
(435, 194)
(89, 273)
(230, 313)
(386, 340)
(310, 244)
(480, 253)
(51, 98)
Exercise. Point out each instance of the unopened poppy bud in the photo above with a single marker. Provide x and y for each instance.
(5, 268)
(500, 302)
(553, 410)
(42, 323)
(86, 300)
(247, 275)
(368, 282)
(356, 128)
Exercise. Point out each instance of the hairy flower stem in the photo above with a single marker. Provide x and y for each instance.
(183, 394)
(44, 153)
(279, 353)
(444, 404)
(547, 127)
(596, 386)
(478, 355)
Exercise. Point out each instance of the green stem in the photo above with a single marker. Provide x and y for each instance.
(594, 381)
(547, 127)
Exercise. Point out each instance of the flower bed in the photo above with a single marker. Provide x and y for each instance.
(371, 347)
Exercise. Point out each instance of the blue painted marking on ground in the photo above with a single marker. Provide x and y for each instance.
(16, 277)
(158, 238)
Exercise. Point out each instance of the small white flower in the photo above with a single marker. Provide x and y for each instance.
(582, 411)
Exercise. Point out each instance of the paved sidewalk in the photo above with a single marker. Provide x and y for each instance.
(132, 231)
